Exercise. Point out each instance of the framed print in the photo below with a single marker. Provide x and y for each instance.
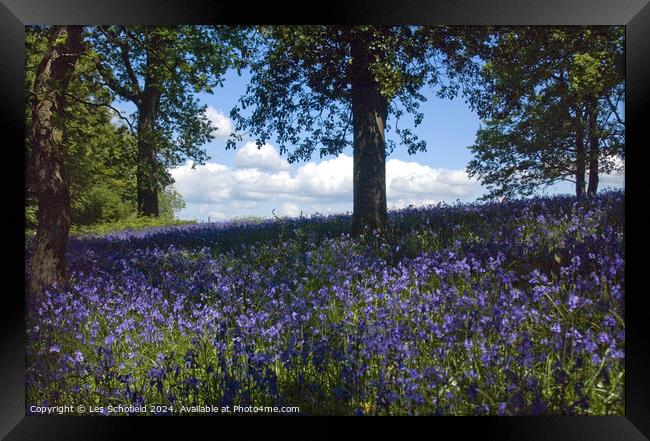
(376, 210)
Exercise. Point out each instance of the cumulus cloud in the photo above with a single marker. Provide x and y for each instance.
(408, 202)
(223, 125)
(209, 183)
(414, 181)
(289, 209)
(331, 178)
(207, 212)
(617, 177)
(253, 184)
(262, 180)
(263, 158)
(242, 205)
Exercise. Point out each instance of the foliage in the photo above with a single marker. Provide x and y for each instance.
(165, 67)
(132, 222)
(171, 201)
(537, 90)
(101, 151)
(102, 204)
(99, 154)
(300, 88)
(505, 309)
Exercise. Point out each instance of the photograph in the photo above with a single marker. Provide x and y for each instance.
(324, 220)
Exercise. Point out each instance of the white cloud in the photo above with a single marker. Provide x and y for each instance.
(207, 212)
(242, 205)
(619, 165)
(263, 158)
(223, 125)
(254, 184)
(411, 180)
(260, 183)
(329, 178)
(289, 209)
(209, 183)
(403, 202)
(616, 178)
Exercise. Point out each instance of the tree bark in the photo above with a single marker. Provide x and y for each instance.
(594, 150)
(147, 180)
(580, 155)
(48, 152)
(369, 112)
(146, 167)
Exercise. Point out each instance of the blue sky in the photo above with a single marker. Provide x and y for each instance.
(449, 126)
(251, 182)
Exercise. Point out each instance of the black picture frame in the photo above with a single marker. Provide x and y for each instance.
(634, 14)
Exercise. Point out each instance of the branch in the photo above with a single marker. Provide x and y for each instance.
(129, 70)
(119, 114)
(124, 49)
(347, 126)
(614, 111)
(148, 48)
(112, 82)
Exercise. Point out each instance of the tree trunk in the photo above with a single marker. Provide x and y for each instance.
(580, 156)
(369, 112)
(593, 149)
(146, 168)
(48, 152)
(147, 179)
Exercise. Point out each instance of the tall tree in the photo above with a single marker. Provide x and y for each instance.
(550, 100)
(159, 69)
(48, 151)
(100, 148)
(314, 86)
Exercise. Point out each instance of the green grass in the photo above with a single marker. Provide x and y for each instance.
(131, 223)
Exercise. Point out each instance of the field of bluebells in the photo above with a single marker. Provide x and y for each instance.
(468, 309)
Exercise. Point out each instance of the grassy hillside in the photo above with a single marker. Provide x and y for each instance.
(512, 308)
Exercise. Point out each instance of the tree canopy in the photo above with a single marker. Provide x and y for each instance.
(100, 149)
(160, 69)
(312, 85)
(550, 100)
(300, 90)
